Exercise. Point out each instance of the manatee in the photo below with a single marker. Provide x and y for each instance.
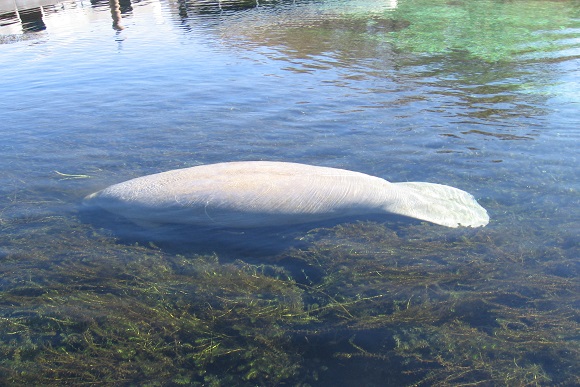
(251, 194)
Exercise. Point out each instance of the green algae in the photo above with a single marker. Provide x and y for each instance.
(114, 321)
(419, 304)
(485, 30)
(491, 30)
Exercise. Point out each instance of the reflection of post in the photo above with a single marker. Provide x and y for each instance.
(116, 14)
(31, 20)
(10, 21)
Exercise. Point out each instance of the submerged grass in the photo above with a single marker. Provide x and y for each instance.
(410, 306)
(490, 30)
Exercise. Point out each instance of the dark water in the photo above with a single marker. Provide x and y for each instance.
(478, 95)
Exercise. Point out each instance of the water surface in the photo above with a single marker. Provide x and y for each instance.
(479, 95)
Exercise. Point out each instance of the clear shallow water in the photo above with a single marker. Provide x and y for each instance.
(479, 95)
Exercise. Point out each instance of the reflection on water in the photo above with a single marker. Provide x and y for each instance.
(116, 14)
(479, 95)
(28, 14)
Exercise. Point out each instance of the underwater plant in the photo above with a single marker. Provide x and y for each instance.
(406, 304)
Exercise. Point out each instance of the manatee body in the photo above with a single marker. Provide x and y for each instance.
(263, 193)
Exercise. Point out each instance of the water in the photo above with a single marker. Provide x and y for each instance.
(478, 95)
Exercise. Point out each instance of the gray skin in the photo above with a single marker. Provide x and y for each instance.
(263, 193)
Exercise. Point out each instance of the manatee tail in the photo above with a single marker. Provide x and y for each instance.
(439, 204)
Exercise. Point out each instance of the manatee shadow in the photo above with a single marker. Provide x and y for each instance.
(228, 243)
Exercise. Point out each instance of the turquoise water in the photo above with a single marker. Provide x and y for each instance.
(478, 95)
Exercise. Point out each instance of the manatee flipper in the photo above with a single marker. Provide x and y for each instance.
(439, 204)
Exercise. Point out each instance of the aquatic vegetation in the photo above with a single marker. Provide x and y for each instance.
(115, 319)
(409, 304)
(487, 30)
(490, 30)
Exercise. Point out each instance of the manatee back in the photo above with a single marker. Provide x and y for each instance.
(244, 194)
